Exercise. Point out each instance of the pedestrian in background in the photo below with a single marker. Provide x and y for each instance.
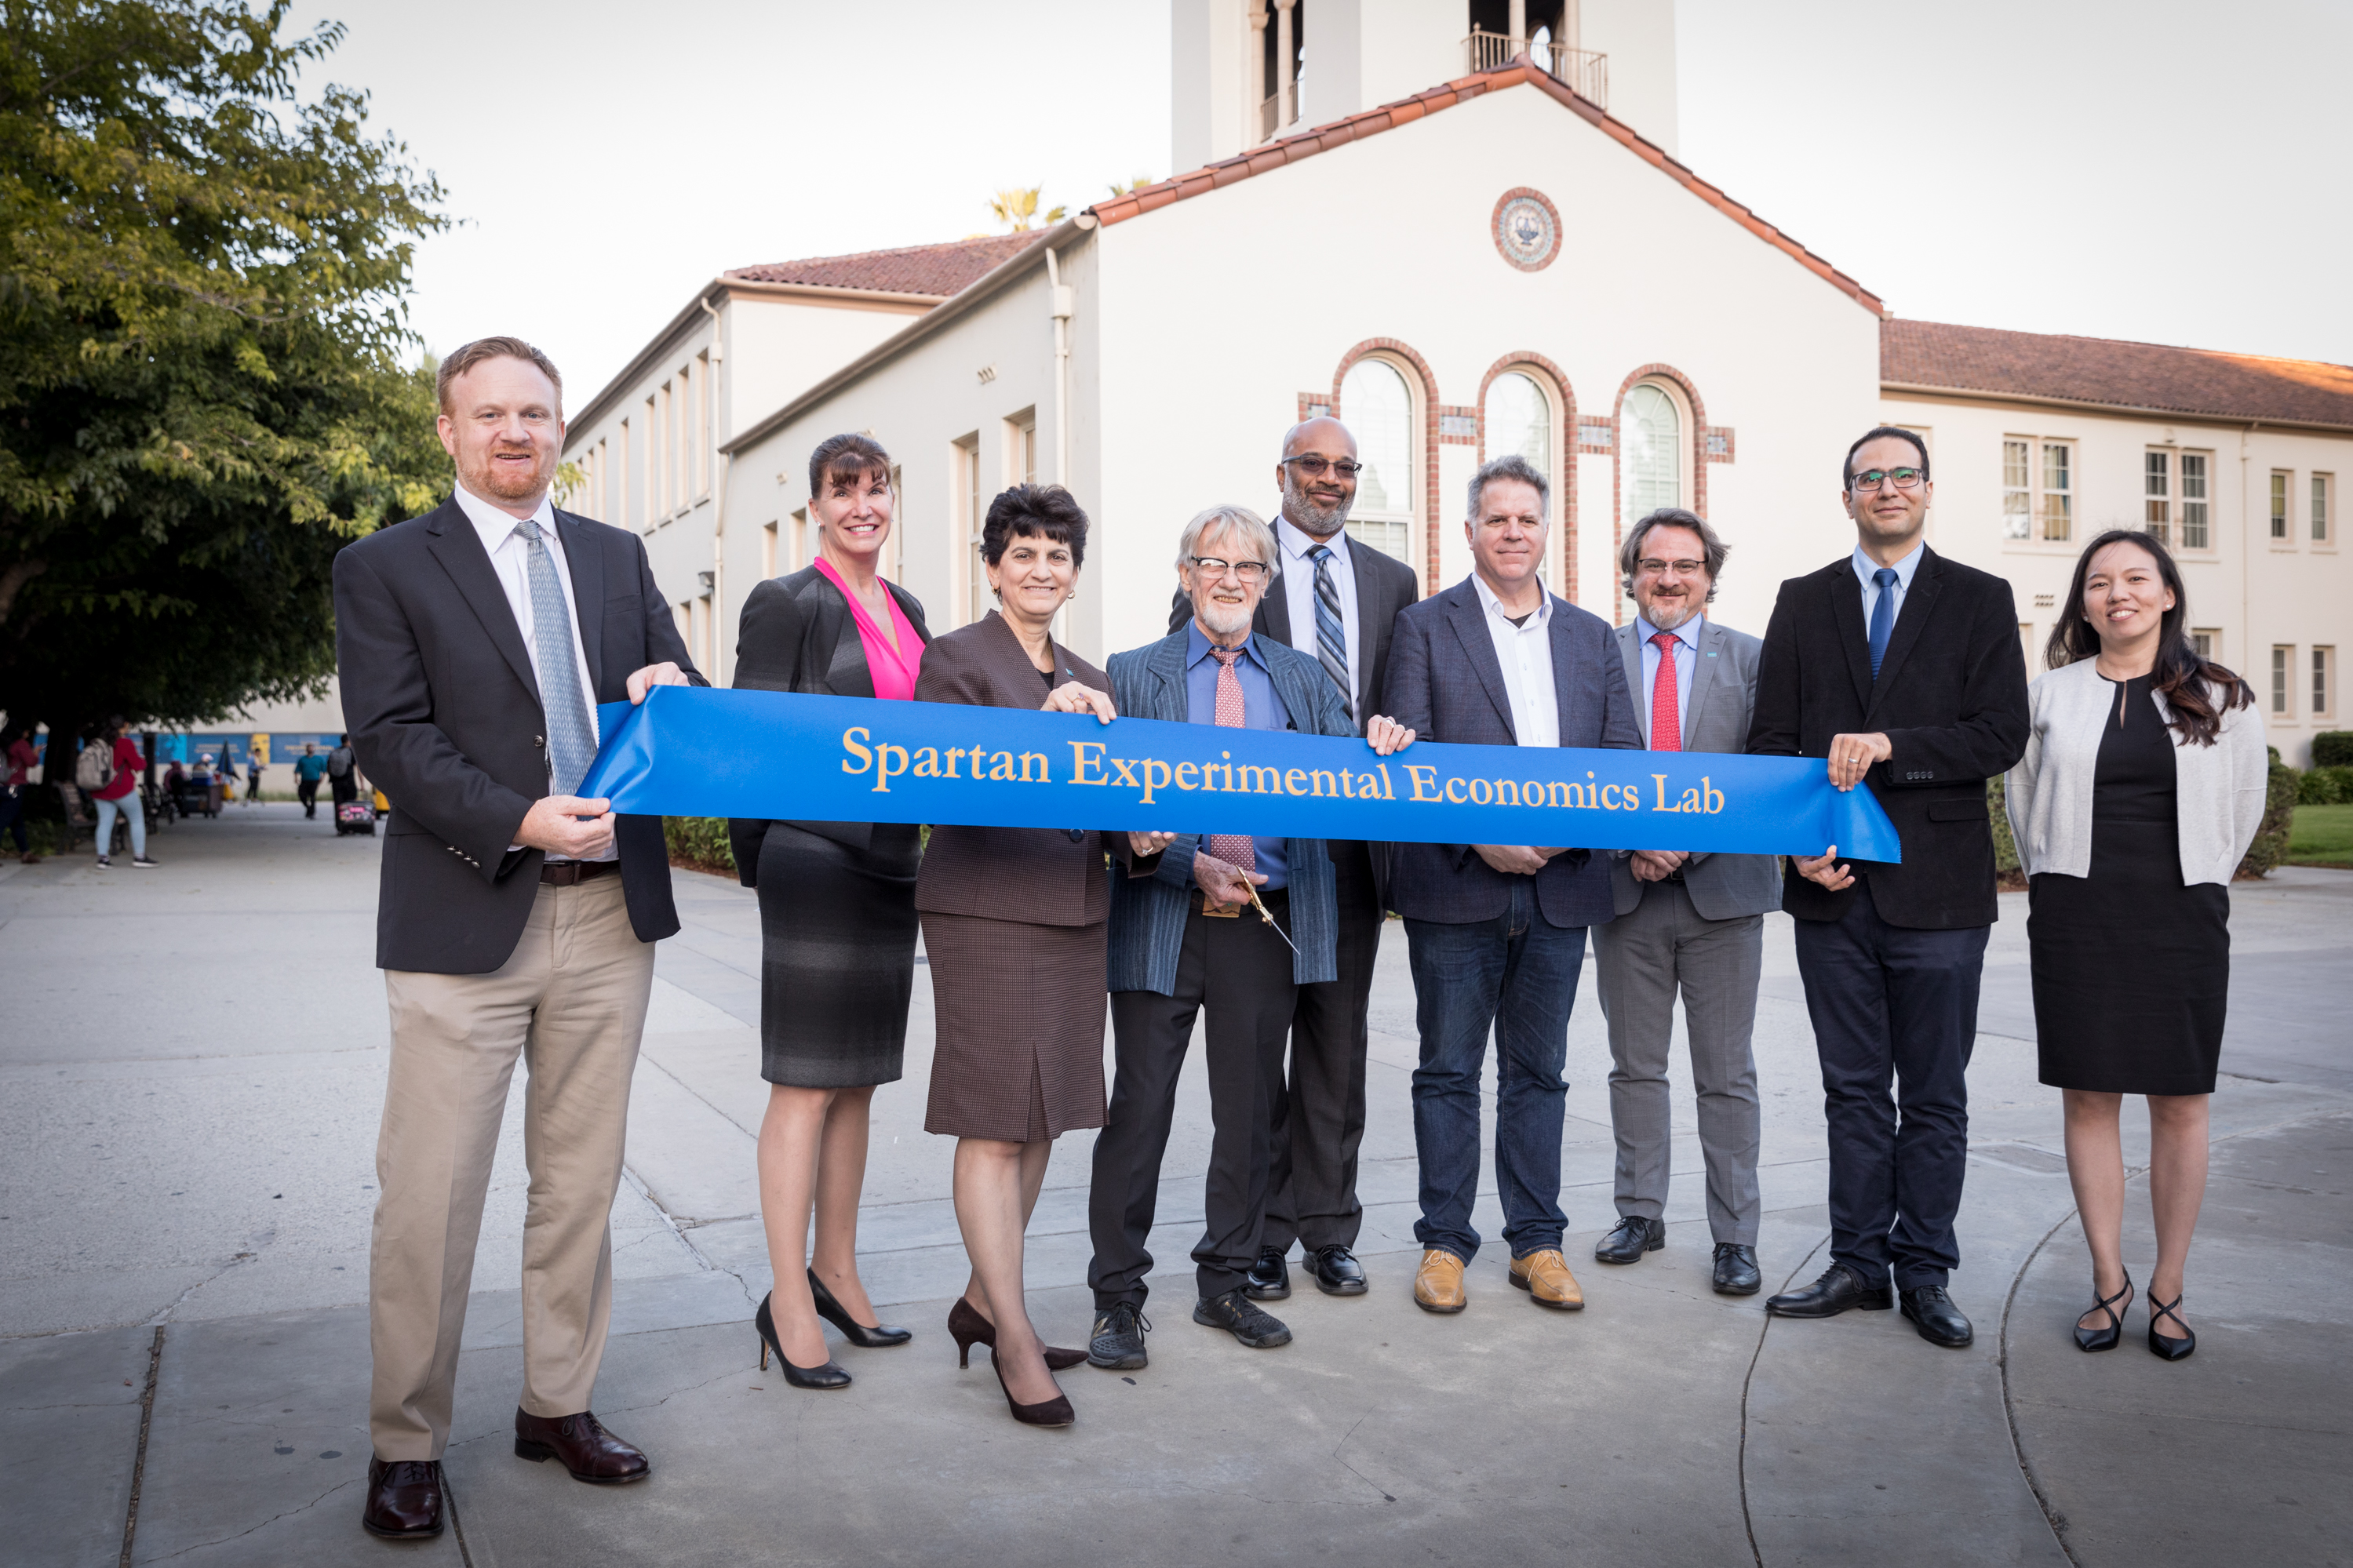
(2142, 785)
(108, 772)
(309, 769)
(21, 761)
(342, 774)
(253, 765)
(838, 917)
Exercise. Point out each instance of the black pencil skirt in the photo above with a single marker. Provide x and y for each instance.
(837, 956)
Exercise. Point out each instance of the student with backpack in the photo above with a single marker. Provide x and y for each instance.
(343, 771)
(108, 772)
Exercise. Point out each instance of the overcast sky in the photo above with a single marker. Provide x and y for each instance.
(2155, 170)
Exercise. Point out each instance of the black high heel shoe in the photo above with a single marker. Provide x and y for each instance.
(856, 1332)
(826, 1376)
(2105, 1338)
(969, 1328)
(1054, 1412)
(2166, 1345)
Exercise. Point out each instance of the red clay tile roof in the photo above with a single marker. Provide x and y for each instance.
(2102, 371)
(937, 270)
(1389, 116)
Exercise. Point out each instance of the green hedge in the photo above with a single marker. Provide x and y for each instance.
(2005, 845)
(2333, 749)
(2324, 787)
(2270, 846)
(700, 844)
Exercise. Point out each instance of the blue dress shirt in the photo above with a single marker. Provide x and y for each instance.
(1262, 708)
(1905, 570)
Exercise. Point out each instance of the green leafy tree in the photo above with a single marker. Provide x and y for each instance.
(203, 392)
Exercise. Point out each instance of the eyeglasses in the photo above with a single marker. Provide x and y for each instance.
(1248, 570)
(1313, 466)
(1677, 568)
(1905, 478)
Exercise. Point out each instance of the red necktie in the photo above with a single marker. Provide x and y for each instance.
(1233, 848)
(1666, 722)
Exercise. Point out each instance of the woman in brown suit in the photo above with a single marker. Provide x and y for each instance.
(1014, 919)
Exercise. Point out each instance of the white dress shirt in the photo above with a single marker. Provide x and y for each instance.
(1904, 569)
(1686, 646)
(1293, 545)
(1526, 654)
(510, 558)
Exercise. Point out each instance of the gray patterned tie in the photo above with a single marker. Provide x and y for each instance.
(571, 740)
(1331, 639)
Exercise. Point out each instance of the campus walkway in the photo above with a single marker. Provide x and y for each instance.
(193, 1058)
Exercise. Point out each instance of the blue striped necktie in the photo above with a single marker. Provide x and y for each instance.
(571, 739)
(1331, 636)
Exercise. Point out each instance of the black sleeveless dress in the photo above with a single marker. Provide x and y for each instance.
(2132, 967)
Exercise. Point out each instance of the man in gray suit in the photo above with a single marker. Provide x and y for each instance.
(1692, 919)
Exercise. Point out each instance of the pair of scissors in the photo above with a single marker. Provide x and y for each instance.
(1268, 916)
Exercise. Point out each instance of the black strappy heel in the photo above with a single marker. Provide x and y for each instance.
(2166, 1345)
(2108, 1338)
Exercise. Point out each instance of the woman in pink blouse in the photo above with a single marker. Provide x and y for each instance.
(837, 917)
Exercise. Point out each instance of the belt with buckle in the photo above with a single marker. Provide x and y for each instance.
(570, 873)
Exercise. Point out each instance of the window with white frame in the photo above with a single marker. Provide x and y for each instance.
(2017, 488)
(702, 425)
(768, 551)
(2197, 524)
(2175, 499)
(973, 509)
(1652, 449)
(2157, 495)
(2321, 485)
(2205, 640)
(1519, 419)
(1379, 412)
(2323, 683)
(2280, 478)
(2038, 488)
(2057, 510)
(2283, 664)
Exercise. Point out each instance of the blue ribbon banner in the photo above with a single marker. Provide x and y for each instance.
(702, 752)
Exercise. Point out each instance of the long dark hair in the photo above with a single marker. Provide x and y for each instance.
(2189, 683)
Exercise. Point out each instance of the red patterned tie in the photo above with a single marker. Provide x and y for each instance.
(1233, 848)
(1666, 722)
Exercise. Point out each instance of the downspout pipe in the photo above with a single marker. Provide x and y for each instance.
(1061, 301)
(719, 488)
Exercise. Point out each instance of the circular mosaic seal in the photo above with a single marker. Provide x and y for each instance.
(1527, 229)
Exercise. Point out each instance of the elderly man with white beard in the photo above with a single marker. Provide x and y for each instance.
(1231, 925)
(1689, 922)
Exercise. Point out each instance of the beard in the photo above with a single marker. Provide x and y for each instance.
(1320, 521)
(1666, 614)
(495, 481)
(1222, 619)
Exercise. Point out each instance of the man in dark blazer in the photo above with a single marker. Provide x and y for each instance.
(515, 917)
(1496, 932)
(1335, 600)
(1902, 667)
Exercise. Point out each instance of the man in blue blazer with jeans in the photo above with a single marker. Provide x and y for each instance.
(1496, 932)
(1187, 940)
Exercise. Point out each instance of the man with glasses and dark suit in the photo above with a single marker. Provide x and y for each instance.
(1903, 667)
(1335, 599)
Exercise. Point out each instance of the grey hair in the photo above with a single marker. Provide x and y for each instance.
(1240, 520)
(1630, 553)
(1510, 466)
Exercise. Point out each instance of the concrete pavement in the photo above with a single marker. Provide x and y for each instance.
(193, 1059)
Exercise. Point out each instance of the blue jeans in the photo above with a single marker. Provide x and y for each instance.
(1517, 975)
(129, 806)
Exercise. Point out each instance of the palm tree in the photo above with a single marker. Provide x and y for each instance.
(1017, 207)
(1119, 189)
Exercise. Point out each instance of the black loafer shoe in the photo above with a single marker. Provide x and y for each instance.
(1838, 1289)
(404, 1499)
(1735, 1269)
(1335, 1272)
(1634, 1236)
(1269, 1279)
(1240, 1317)
(1939, 1321)
(1118, 1340)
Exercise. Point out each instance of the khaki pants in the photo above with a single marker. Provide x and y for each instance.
(572, 1001)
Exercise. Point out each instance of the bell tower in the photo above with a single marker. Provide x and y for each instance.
(1249, 71)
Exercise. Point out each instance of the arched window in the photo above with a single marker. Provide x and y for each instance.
(1519, 420)
(1379, 412)
(1653, 432)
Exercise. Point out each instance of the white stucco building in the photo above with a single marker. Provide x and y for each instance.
(1566, 289)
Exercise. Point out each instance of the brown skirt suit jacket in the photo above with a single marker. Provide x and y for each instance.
(1014, 923)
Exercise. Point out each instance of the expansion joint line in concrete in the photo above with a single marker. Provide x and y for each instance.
(2052, 1519)
(1748, 1521)
(139, 1460)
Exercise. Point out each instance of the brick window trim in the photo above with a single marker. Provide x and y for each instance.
(1528, 362)
(1407, 358)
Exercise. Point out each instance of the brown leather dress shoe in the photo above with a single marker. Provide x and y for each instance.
(1438, 1283)
(1545, 1278)
(404, 1498)
(588, 1450)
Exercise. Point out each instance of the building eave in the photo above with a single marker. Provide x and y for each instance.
(2121, 410)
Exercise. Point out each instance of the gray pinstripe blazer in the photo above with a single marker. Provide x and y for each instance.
(1148, 913)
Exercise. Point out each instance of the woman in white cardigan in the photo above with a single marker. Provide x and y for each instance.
(2141, 788)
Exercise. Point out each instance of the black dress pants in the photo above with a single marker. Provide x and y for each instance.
(1318, 1116)
(1889, 1003)
(1241, 972)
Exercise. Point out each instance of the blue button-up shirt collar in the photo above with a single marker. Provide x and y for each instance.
(1865, 568)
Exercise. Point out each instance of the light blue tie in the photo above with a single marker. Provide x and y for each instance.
(1331, 639)
(1883, 616)
(570, 741)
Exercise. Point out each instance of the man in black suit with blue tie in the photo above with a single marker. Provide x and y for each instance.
(1497, 931)
(1903, 667)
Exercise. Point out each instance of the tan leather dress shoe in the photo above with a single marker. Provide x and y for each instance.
(1545, 1277)
(1438, 1284)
